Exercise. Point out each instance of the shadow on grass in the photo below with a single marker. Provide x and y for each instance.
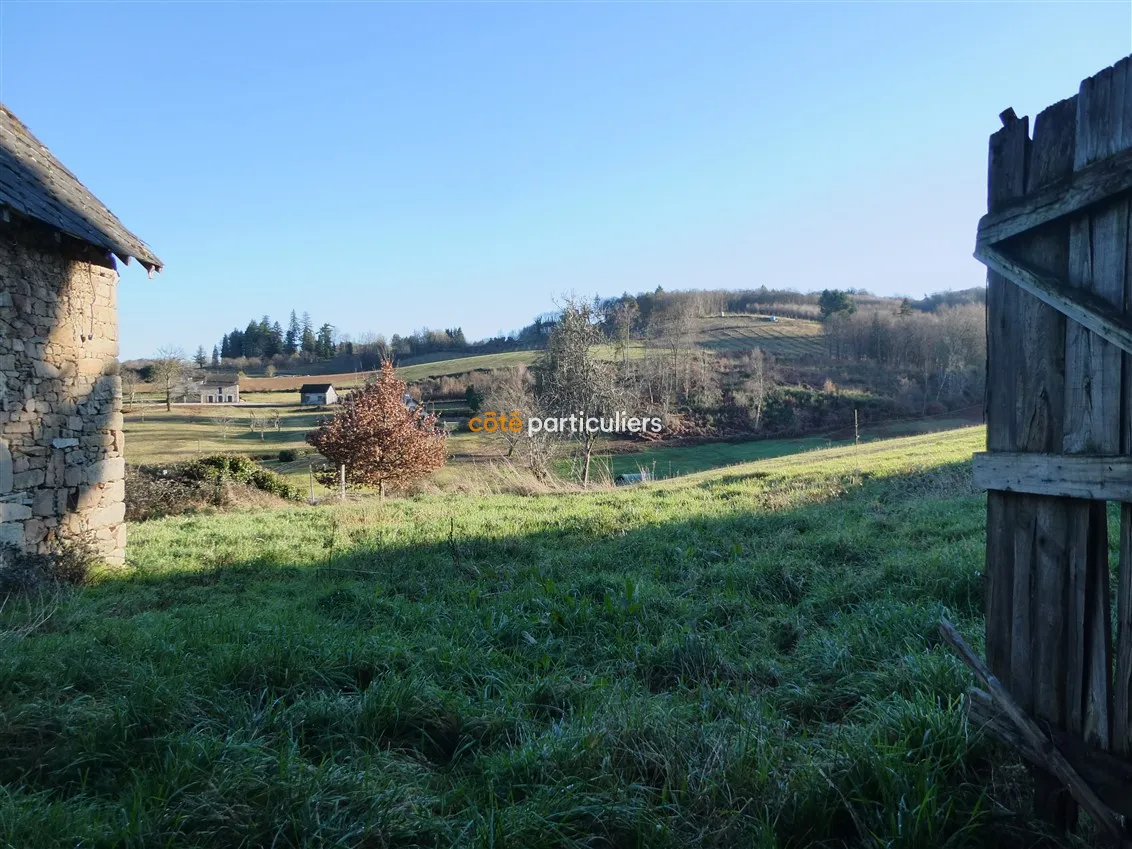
(596, 674)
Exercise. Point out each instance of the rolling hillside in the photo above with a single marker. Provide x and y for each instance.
(786, 338)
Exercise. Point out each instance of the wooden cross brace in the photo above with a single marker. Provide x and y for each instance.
(1092, 185)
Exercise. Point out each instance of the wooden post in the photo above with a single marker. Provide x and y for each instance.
(310, 475)
(856, 441)
(342, 482)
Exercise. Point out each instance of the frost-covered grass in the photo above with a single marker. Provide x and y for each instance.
(744, 657)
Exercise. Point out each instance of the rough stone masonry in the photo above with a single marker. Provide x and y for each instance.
(62, 472)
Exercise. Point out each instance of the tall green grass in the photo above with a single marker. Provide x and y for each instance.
(745, 658)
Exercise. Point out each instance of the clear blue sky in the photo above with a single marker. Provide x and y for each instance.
(389, 166)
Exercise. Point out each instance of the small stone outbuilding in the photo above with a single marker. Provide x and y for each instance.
(318, 394)
(62, 470)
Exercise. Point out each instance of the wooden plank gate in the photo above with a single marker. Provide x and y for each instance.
(1058, 245)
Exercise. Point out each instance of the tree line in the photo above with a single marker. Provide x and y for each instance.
(266, 339)
(622, 317)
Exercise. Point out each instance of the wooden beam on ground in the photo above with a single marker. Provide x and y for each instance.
(1081, 305)
(1051, 757)
(1099, 478)
(1110, 777)
(1092, 185)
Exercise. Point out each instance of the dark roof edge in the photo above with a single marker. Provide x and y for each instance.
(37, 186)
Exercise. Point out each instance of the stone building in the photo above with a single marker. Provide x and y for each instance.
(211, 393)
(62, 472)
(318, 393)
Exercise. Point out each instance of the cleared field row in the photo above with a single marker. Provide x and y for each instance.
(786, 337)
(417, 371)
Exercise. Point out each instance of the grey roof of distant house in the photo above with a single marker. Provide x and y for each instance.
(34, 183)
(314, 388)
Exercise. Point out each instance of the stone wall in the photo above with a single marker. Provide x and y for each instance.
(62, 472)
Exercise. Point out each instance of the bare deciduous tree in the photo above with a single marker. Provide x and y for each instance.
(224, 419)
(753, 391)
(169, 372)
(572, 381)
(257, 422)
(130, 380)
(510, 390)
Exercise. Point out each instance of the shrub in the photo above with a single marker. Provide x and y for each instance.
(154, 491)
(232, 467)
(288, 455)
(22, 571)
(474, 398)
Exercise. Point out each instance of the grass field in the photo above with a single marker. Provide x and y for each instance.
(665, 462)
(736, 658)
(157, 436)
(417, 371)
(786, 338)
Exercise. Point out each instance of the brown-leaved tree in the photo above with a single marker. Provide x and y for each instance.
(378, 438)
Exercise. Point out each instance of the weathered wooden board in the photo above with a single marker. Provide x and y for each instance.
(1104, 478)
(1092, 185)
(1041, 532)
(1105, 133)
(1109, 776)
(1053, 759)
(1094, 381)
(1006, 180)
(1081, 305)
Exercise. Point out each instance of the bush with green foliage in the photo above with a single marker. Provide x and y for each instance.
(834, 301)
(288, 455)
(234, 467)
(156, 491)
(474, 397)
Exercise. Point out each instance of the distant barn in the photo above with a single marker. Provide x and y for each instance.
(318, 394)
(62, 473)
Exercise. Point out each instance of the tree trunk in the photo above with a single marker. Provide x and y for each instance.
(168, 400)
(381, 490)
(587, 451)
